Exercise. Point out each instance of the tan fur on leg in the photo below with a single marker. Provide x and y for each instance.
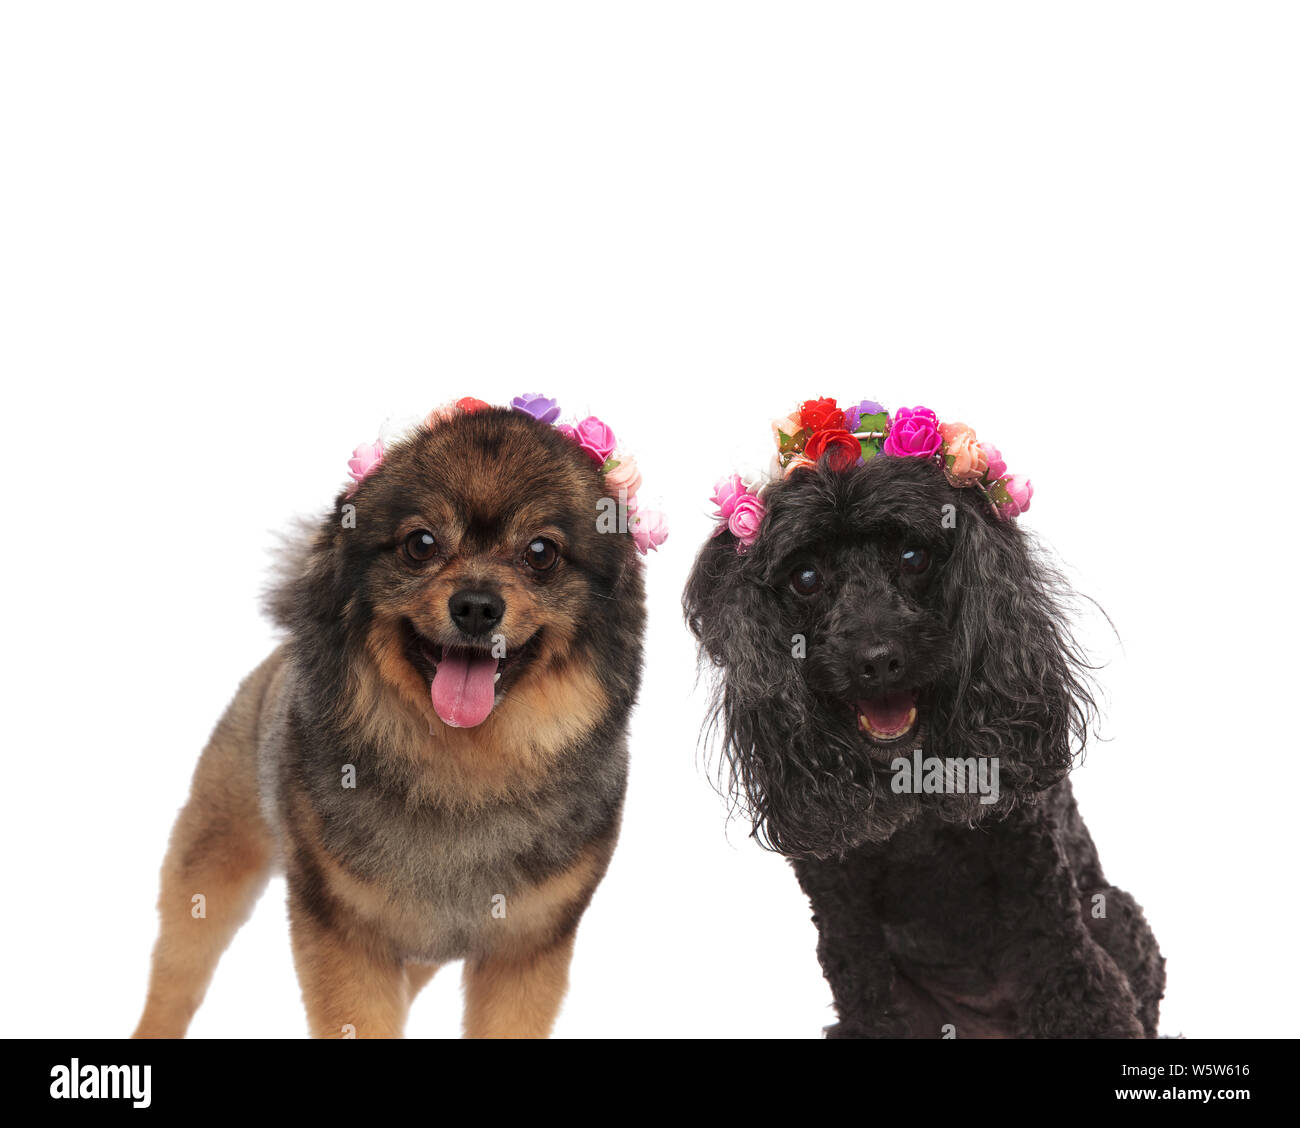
(353, 984)
(189, 947)
(516, 996)
(220, 851)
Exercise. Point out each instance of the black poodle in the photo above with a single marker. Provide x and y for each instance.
(900, 700)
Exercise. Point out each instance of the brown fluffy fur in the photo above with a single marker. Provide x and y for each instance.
(399, 875)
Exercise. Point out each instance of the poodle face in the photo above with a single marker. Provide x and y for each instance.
(880, 611)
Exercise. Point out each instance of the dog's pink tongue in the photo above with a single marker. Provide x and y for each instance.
(464, 687)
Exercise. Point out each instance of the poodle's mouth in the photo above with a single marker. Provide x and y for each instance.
(890, 718)
(466, 682)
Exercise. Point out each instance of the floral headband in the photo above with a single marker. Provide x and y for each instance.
(649, 527)
(848, 437)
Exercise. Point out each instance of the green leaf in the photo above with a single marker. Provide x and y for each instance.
(791, 444)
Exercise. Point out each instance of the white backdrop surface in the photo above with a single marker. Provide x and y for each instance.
(234, 239)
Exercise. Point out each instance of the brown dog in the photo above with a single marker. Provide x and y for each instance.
(437, 754)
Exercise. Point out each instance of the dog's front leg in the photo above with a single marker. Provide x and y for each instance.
(517, 993)
(851, 949)
(1068, 986)
(353, 985)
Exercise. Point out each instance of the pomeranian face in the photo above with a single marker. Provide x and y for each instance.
(478, 555)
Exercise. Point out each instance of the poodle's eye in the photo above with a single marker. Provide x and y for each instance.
(541, 555)
(419, 546)
(806, 580)
(914, 561)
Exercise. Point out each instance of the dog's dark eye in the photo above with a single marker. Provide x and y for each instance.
(806, 580)
(541, 555)
(419, 546)
(914, 561)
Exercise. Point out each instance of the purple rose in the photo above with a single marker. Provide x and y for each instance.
(914, 433)
(853, 415)
(538, 406)
(595, 438)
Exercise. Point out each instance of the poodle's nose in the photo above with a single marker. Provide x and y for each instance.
(476, 611)
(883, 666)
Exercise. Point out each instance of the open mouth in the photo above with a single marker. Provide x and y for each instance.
(465, 681)
(890, 718)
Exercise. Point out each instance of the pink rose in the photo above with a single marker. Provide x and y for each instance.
(1020, 489)
(964, 462)
(746, 519)
(365, 459)
(914, 433)
(997, 467)
(595, 438)
(567, 431)
(726, 492)
(649, 529)
(625, 476)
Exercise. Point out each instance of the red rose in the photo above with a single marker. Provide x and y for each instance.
(469, 405)
(841, 449)
(821, 415)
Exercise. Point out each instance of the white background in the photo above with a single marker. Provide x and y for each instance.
(236, 237)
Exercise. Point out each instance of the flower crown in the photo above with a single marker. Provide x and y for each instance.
(848, 437)
(649, 527)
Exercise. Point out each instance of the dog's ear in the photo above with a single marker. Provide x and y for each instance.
(707, 593)
(729, 609)
(1020, 687)
(790, 775)
(307, 586)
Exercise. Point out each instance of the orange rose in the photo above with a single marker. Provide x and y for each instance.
(964, 462)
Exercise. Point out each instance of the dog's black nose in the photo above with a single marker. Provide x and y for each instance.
(883, 666)
(476, 612)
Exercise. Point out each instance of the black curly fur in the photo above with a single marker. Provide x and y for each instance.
(935, 910)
